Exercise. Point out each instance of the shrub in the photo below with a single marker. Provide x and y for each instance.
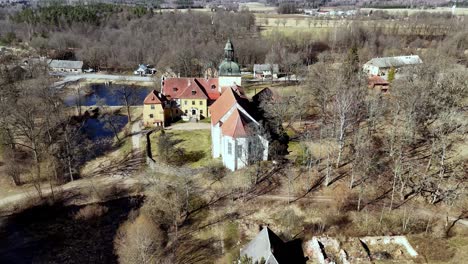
(216, 171)
(90, 211)
(231, 235)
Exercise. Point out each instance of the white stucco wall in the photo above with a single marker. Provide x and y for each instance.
(229, 81)
(220, 144)
(370, 69)
(229, 160)
(242, 155)
(216, 140)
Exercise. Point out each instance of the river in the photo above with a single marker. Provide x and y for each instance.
(107, 94)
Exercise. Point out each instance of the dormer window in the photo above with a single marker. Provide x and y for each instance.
(175, 89)
(213, 86)
(194, 92)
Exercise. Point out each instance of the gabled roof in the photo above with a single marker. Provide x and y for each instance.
(192, 91)
(265, 245)
(154, 97)
(274, 68)
(65, 64)
(236, 125)
(397, 61)
(377, 80)
(211, 87)
(175, 87)
(225, 102)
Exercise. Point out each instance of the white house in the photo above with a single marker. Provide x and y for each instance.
(65, 66)
(235, 134)
(265, 71)
(381, 66)
(144, 70)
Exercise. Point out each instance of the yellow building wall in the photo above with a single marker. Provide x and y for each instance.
(158, 114)
(200, 104)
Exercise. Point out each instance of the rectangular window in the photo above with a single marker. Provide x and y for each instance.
(185, 102)
(193, 102)
(152, 106)
(229, 148)
(239, 150)
(151, 116)
(186, 111)
(201, 102)
(201, 112)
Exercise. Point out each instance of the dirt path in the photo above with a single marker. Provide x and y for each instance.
(136, 136)
(81, 191)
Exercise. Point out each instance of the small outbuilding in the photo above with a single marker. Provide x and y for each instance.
(65, 66)
(382, 66)
(266, 71)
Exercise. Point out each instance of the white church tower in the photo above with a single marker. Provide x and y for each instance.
(229, 71)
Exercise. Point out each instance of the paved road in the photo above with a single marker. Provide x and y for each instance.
(99, 76)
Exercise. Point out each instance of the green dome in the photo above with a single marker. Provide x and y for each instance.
(229, 68)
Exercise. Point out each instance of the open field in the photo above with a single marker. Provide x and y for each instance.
(458, 11)
(196, 146)
(258, 7)
(300, 26)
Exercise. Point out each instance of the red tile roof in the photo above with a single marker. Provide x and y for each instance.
(377, 80)
(236, 125)
(192, 91)
(227, 99)
(211, 87)
(219, 108)
(154, 97)
(175, 87)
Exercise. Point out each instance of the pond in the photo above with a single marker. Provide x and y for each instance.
(103, 126)
(51, 234)
(107, 93)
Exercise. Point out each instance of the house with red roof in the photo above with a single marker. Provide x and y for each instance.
(235, 134)
(157, 110)
(193, 96)
(378, 83)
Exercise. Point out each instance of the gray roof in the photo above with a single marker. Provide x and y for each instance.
(65, 64)
(229, 68)
(264, 245)
(266, 67)
(398, 61)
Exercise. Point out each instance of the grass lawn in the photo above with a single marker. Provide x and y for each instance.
(195, 143)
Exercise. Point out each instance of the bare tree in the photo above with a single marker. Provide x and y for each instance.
(140, 241)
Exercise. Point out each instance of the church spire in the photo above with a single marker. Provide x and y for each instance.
(229, 51)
